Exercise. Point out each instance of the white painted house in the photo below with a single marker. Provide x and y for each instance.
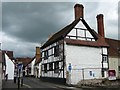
(8, 64)
(35, 64)
(76, 52)
(114, 55)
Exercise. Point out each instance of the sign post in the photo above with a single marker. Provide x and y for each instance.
(20, 68)
(69, 75)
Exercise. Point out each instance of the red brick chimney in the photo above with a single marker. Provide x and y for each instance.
(100, 25)
(38, 54)
(78, 8)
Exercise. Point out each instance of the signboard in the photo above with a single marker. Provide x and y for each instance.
(70, 67)
(20, 66)
(111, 75)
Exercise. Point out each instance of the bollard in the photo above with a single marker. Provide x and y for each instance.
(18, 82)
(14, 79)
(21, 81)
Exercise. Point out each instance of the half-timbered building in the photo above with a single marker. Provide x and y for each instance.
(76, 52)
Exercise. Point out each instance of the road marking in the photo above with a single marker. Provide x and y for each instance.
(27, 85)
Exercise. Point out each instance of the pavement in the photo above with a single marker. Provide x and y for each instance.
(37, 83)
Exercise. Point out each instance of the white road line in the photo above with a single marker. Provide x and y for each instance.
(27, 85)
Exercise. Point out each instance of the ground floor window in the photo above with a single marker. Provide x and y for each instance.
(45, 68)
(56, 67)
(50, 66)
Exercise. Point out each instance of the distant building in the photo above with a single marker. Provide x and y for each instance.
(35, 64)
(114, 55)
(25, 61)
(76, 52)
(8, 64)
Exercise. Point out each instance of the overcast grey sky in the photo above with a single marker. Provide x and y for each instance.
(26, 25)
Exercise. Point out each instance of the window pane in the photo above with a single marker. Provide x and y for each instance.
(56, 51)
(51, 66)
(105, 58)
(56, 67)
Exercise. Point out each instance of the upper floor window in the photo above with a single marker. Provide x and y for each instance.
(105, 58)
(56, 51)
(46, 54)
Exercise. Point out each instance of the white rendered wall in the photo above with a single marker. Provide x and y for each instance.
(32, 66)
(39, 74)
(9, 67)
(83, 57)
(113, 65)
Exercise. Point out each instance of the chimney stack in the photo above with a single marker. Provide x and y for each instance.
(79, 11)
(100, 24)
(38, 54)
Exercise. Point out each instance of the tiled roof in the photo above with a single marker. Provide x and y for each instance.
(30, 61)
(25, 61)
(9, 53)
(114, 49)
(97, 43)
(38, 61)
(62, 34)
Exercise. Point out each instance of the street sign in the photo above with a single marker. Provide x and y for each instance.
(70, 67)
(111, 75)
(20, 66)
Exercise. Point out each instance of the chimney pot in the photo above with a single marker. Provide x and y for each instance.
(100, 24)
(78, 8)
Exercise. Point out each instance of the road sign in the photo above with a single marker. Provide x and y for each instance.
(69, 67)
(111, 75)
(20, 66)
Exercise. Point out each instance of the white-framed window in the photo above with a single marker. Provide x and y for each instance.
(105, 58)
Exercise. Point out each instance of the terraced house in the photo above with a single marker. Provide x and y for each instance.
(76, 52)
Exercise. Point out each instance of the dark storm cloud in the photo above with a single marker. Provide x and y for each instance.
(26, 25)
(33, 22)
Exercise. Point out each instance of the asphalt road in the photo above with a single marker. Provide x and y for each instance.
(30, 83)
(35, 83)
